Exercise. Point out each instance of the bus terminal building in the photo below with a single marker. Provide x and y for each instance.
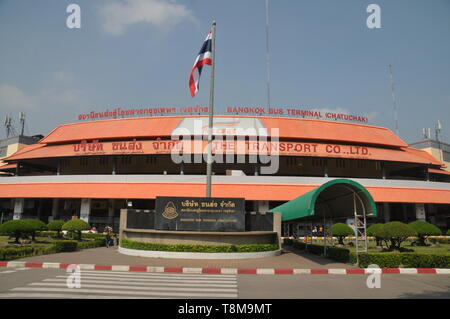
(94, 169)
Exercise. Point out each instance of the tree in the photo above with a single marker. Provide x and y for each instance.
(423, 230)
(340, 231)
(395, 232)
(36, 225)
(56, 225)
(17, 228)
(76, 225)
(371, 232)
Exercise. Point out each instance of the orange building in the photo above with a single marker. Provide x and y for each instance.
(93, 169)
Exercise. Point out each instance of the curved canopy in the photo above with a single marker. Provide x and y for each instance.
(335, 199)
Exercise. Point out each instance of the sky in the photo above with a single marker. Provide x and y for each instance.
(139, 53)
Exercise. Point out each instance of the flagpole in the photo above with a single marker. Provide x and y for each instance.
(211, 112)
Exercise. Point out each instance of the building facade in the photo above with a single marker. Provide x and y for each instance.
(94, 169)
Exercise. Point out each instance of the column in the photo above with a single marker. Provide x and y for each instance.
(39, 210)
(18, 208)
(111, 212)
(386, 212)
(420, 212)
(55, 211)
(405, 213)
(85, 209)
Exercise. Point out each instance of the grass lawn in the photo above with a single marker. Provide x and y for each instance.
(438, 248)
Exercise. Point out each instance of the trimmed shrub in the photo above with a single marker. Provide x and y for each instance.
(65, 246)
(76, 226)
(371, 232)
(395, 232)
(91, 244)
(340, 231)
(338, 254)
(405, 260)
(21, 252)
(56, 225)
(17, 228)
(36, 225)
(198, 248)
(423, 230)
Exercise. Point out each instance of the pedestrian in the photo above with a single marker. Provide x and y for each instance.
(108, 236)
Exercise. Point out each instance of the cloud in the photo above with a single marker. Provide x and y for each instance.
(15, 99)
(119, 15)
(12, 98)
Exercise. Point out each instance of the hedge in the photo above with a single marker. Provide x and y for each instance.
(21, 252)
(65, 245)
(382, 259)
(56, 247)
(198, 248)
(403, 260)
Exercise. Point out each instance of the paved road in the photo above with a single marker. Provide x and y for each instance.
(51, 283)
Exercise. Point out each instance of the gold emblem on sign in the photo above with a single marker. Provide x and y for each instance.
(170, 211)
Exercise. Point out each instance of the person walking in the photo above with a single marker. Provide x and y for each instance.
(108, 231)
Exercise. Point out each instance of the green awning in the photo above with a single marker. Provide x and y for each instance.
(336, 198)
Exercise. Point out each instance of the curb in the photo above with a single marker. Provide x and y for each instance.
(231, 271)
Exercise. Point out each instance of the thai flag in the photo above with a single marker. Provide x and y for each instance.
(204, 57)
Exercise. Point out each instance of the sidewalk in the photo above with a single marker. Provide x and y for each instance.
(289, 259)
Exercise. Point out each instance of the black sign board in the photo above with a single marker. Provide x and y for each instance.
(200, 214)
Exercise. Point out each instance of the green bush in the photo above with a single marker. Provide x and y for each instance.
(56, 225)
(423, 230)
(371, 232)
(36, 225)
(340, 231)
(395, 232)
(91, 244)
(21, 252)
(198, 248)
(17, 228)
(76, 226)
(288, 241)
(93, 236)
(338, 254)
(405, 260)
(448, 232)
(65, 246)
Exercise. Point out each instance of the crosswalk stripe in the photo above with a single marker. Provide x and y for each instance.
(122, 274)
(147, 288)
(125, 292)
(152, 279)
(206, 277)
(158, 283)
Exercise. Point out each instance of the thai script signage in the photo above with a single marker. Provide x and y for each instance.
(287, 111)
(200, 214)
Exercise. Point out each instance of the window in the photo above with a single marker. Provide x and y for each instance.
(340, 163)
(126, 160)
(83, 161)
(150, 159)
(103, 161)
(318, 162)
